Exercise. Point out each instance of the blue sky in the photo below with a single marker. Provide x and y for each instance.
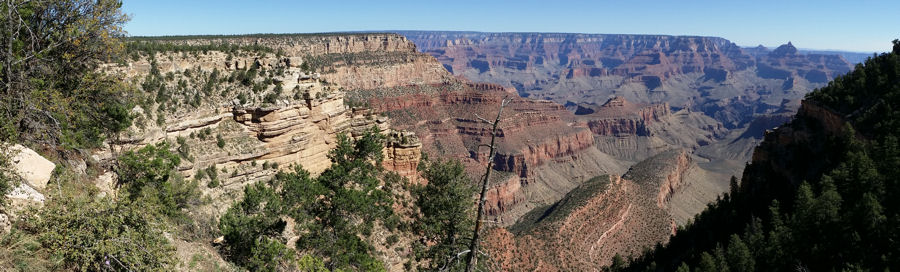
(861, 25)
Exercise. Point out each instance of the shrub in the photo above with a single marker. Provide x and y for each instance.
(220, 142)
(213, 183)
(148, 175)
(90, 234)
(270, 98)
(213, 174)
(7, 177)
(206, 132)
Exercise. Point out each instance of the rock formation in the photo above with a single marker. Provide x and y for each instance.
(260, 135)
(34, 169)
(684, 71)
(402, 153)
(319, 86)
(605, 216)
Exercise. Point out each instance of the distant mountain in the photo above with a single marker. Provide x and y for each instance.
(851, 57)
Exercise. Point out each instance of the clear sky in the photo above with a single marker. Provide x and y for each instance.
(860, 25)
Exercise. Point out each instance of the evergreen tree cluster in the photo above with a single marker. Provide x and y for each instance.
(445, 224)
(332, 212)
(136, 47)
(335, 214)
(834, 209)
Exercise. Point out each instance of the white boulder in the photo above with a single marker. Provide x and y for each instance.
(31, 166)
(25, 192)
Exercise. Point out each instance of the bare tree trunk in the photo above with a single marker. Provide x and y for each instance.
(473, 247)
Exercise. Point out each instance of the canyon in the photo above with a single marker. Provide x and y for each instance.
(632, 134)
(684, 71)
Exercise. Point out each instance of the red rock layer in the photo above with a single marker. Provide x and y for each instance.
(533, 154)
(618, 117)
(505, 194)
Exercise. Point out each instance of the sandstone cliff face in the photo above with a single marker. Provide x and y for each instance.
(402, 153)
(261, 140)
(504, 195)
(536, 153)
(262, 135)
(353, 61)
(414, 70)
(312, 44)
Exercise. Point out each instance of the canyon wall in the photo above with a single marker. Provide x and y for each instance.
(311, 88)
(231, 133)
(684, 71)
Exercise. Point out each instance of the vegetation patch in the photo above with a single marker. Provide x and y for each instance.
(549, 214)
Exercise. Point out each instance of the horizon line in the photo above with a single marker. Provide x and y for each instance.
(397, 31)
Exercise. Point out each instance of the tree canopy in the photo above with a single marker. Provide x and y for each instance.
(51, 91)
(332, 212)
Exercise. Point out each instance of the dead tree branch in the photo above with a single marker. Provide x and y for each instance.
(472, 259)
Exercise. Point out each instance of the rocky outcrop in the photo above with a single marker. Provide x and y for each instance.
(506, 194)
(352, 60)
(295, 133)
(30, 174)
(402, 153)
(618, 117)
(665, 171)
(26, 193)
(33, 168)
(312, 44)
(618, 127)
(532, 154)
(260, 140)
(829, 123)
(412, 70)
